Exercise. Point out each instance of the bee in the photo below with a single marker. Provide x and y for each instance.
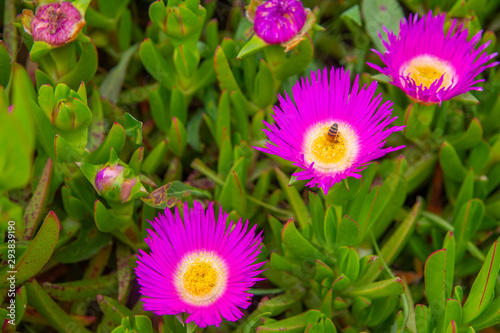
(333, 132)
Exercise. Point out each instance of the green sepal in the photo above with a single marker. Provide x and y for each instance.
(253, 45)
(38, 50)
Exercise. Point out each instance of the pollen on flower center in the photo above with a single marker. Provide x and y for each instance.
(427, 69)
(329, 155)
(201, 278)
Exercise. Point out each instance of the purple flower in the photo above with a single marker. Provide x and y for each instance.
(54, 23)
(278, 21)
(200, 265)
(331, 131)
(429, 65)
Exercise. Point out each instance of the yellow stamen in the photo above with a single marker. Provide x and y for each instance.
(426, 69)
(200, 278)
(325, 151)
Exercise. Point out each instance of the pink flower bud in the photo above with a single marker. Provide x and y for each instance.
(108, 178)
(54, 23)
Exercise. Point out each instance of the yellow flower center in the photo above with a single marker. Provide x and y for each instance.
(427, 69)
(326, 151)
(201, 278)
(328, 154)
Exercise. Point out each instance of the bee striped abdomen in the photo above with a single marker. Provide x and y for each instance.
(333, 132)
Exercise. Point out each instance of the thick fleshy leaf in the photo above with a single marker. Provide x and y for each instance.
(49, 309)
(33, 212)
(277, 305)
(294, 199)
(466, 223)
(112, 84)
(395, 244)
(85, 68)
(112, 309)
(435, 284)
(483, 287)
(264, 85)
(378, 14)
(37, 254)
(299, 247)
(81, 290)
(177, 139)
(470, 138)
(156, 65)
(115, 139)
(379, 289)
(451, 164)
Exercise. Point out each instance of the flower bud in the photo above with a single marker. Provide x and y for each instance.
(184, 21)
(54, 23)
(282, 22)
(108, 177)
(278, 21)
(118, 183)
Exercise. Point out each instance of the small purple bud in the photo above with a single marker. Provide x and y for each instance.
(54, 23)
(11, 108)
(108, 178)
(278, 21)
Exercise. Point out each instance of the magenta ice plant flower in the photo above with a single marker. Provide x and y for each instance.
(432, 66)
(55, 23)
(278, 21)
(199, 264)
(331, 130)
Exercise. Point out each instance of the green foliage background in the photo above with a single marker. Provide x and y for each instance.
(412, 246)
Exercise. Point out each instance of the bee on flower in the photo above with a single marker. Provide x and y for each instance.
(327, 107)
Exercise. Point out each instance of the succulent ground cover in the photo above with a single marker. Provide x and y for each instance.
(249, 166)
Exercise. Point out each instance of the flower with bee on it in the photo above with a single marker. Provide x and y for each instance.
(301, 131)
